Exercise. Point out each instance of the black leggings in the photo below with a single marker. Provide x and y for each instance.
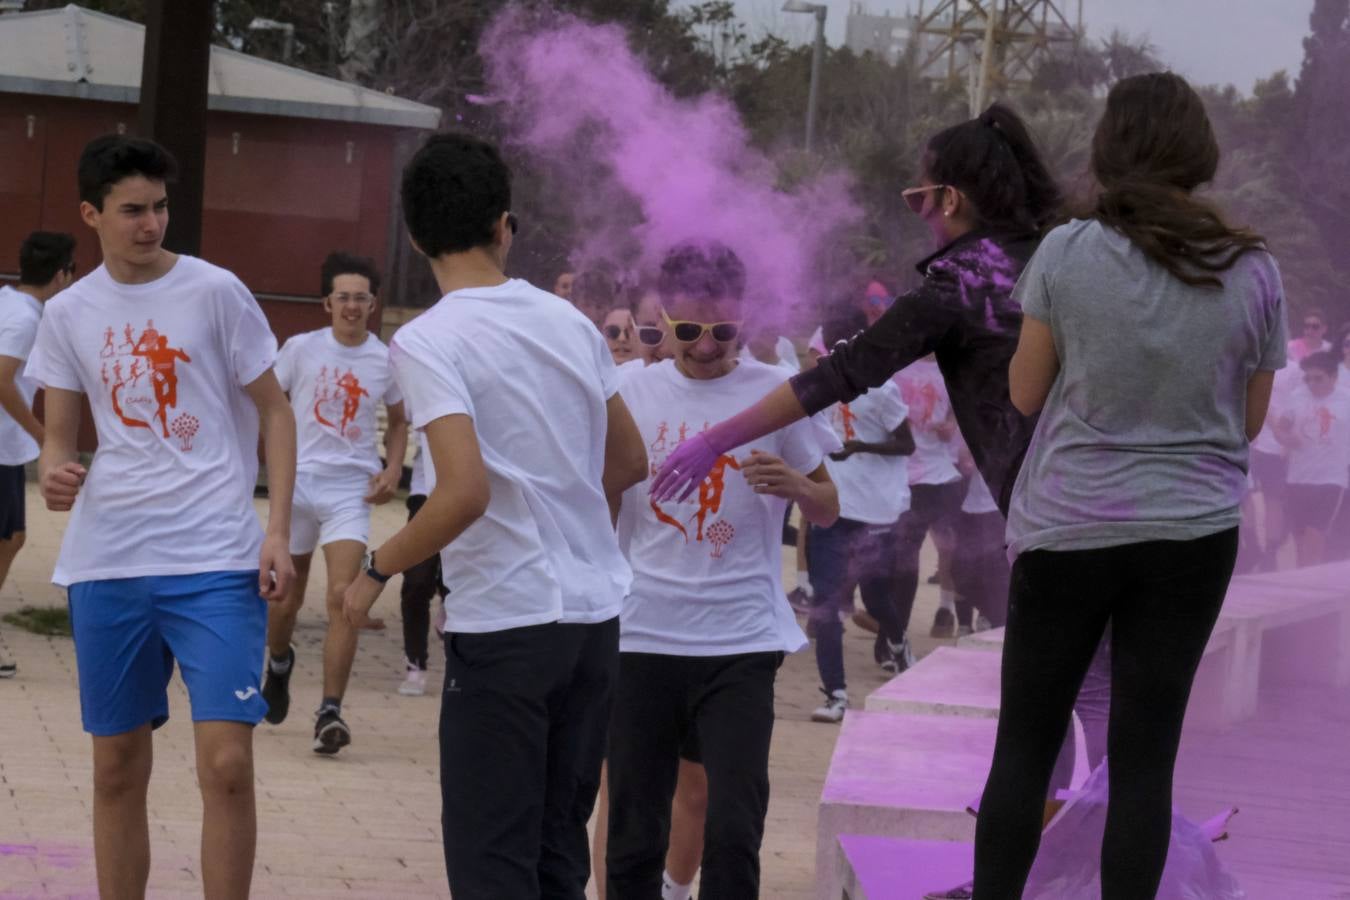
(420, 584)
(1161, 599)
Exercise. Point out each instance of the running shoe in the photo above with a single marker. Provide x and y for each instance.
(833, 710)
(414, 682)
(331, 734)
(944, 623)
(893, 658)
(277, 689)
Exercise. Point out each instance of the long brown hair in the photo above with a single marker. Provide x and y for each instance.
(1153, 147)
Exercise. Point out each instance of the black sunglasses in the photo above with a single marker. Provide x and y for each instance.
(613, 332)
(650, 335)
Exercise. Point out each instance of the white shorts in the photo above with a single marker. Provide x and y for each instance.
(328, 508)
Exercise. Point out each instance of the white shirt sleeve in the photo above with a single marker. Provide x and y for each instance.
(801, 447)
(430, 383)
(52, 360)
(891, 407)
(251, 346)
(17, 333)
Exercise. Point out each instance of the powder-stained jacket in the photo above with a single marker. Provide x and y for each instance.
(964, 313)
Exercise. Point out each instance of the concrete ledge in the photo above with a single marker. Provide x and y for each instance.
(881, 868)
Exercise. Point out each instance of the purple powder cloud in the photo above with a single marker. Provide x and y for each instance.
(657, 169)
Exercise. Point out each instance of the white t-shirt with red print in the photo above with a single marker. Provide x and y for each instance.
(334, 391)
(1322, 425)
(925, 393)
(164, 365)
(20, 314)
(707, 573)
(872, 488)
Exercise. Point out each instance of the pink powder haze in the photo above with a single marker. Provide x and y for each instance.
(648, 170)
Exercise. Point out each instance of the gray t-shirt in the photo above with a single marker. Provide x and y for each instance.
(1143, 435)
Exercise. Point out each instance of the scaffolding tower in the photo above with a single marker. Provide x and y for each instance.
(990, 45)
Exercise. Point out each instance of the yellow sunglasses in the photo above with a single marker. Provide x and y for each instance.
(688, 332)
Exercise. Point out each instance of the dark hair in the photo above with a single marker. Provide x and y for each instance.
(44, 254)
(842, 325)
(341, 263)
(701, 270)
(594, 288)
(995, 163)
(1325, 360)
(108, 159)
(1154, 145)
(455, 189)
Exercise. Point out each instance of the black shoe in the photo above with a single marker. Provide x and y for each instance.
(331, 734)
(7, 668)
(277, 690)
(944, 624)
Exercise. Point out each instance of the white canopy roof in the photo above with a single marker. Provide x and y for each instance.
(74, 52)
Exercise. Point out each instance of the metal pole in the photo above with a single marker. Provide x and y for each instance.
(986, 64)
(817, 62)
(174, 76)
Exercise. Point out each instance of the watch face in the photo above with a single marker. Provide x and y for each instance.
(367, 561)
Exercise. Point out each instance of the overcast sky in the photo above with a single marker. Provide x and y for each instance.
(1209, 41)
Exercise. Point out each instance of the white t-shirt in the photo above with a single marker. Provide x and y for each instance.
(164, 365)
(1287, 380)
(1297, 350)
(925, 393)
(633, 365)
(872, 488)
(19, 318)
(1323, 428)
(334, 390)
(707, 577)
(534, 375)
(786, 352)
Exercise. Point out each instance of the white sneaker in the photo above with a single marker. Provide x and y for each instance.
(414, 683)
(833, 710)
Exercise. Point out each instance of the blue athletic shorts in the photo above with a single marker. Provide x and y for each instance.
(129, 631)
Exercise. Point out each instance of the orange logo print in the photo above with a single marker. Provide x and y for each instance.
(152, 356)
(846, 420)
(710, 492)
(347, 391)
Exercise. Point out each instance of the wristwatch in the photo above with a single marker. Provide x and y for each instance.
(368, 565)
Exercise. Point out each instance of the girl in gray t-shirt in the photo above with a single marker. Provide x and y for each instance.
(1151, 333)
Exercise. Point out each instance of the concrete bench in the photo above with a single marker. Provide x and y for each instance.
(901, 776)
(952, 681)
(1295, 626)
(991, 639)
(882, 868)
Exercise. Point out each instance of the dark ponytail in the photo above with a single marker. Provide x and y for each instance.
(1153, 147)
(994, 162)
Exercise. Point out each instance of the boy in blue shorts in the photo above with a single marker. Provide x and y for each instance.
(164, 557)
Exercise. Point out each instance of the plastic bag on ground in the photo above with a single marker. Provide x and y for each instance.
(1068, 866)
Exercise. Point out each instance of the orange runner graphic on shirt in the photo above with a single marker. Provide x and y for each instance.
(846, 419)
(710, 492)
(152, 359)
(339, 396)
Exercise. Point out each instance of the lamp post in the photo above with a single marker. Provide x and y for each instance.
(817, 61)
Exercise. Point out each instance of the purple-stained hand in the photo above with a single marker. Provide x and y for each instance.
(684, 469)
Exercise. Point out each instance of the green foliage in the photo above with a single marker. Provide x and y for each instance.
(53, 621)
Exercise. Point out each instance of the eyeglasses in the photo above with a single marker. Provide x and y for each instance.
(614, 332)
(914, 197)
(358, 297)
(650, 335)
(688, 332)
(1313, 325)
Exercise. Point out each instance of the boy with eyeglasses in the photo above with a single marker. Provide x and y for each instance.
(46, 267)
(1313, 339)
(335, 377)
(706, 624)
(1314, 424)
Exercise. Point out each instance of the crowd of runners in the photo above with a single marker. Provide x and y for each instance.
(604, 490)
